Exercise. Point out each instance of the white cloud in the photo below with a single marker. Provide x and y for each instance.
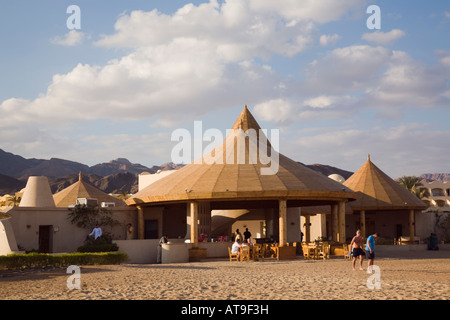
(383, 38)
(277, 110)
(326, 40)
(71, 38)
(404, 149)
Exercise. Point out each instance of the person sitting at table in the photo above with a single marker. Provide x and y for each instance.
(235, 248)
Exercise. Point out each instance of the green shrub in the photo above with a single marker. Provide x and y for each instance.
(103, 247)
(41, 260)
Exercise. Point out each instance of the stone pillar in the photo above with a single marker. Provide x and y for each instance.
(282, 222)
(194, 224)
(141, 224)
(334, 222)
(341, 215)
(411, 225)
(362, 223)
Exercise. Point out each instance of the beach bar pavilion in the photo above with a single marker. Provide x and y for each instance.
(390, 205)
(220, 180)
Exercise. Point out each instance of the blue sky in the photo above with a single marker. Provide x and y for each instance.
(138, 70)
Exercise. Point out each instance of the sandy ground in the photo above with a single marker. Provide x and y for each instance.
(424, 275)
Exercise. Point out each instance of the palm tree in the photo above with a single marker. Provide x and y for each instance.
(413, 184)
(123, 195)
(14, 200)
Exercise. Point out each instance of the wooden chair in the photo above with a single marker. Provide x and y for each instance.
(347, 249)
(308, 251)
(233, 256)
(325, 251)
(258, 252)
(245, 253)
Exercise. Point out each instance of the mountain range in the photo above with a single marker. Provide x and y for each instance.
(115, 176)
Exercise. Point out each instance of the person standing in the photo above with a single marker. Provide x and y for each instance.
(247, 235)
(238, 235)
(357, 250)
(163, 239)
(97, 232)
(370, 250)
(129, 231)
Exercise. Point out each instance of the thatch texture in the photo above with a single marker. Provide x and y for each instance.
(234, 172)
(82, 189)
(377, 191)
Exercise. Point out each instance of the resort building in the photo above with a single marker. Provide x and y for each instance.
(438, 199)
(382, 204)
(41, 221)
(242, 183)
(181, 203)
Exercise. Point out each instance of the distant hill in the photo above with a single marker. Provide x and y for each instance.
(10, 185)
(119, 175)
(436, 176)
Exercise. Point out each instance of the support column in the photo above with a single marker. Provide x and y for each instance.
(282, 222)
(194, 223)
(341, 215)
(411, 226)
(334, 222)
(362, 223)
(141, 224)
(307, 228)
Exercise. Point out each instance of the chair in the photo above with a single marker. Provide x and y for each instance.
(245, 253)
(309, 251)
(233, 256)
(258, 252)
(325, 251)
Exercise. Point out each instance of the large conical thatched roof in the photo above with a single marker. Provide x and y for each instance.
(82, 189)
(377, 191)
(220, 176)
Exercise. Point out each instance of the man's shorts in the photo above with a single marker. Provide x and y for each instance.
(357, 252)
(370, 255)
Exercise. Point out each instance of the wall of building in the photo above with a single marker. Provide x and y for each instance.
(65, 237)
(8, 242)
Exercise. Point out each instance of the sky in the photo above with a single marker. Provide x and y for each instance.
(132, 72)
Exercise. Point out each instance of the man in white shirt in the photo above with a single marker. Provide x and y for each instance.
(235, 248)
(97, 232)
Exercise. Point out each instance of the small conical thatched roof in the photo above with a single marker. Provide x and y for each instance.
(233, 172)
(377, 191)
(82, 189)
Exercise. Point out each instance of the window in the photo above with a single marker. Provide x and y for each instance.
(437, 192)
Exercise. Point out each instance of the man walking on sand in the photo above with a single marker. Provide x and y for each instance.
(357, 250)
(370, 251)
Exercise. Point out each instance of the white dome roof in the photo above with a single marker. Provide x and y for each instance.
(337, 177)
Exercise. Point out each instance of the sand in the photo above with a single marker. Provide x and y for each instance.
(424, 276)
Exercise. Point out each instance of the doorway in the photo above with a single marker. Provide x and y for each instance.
(151, 229)
(398, 231)
(45, 239)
